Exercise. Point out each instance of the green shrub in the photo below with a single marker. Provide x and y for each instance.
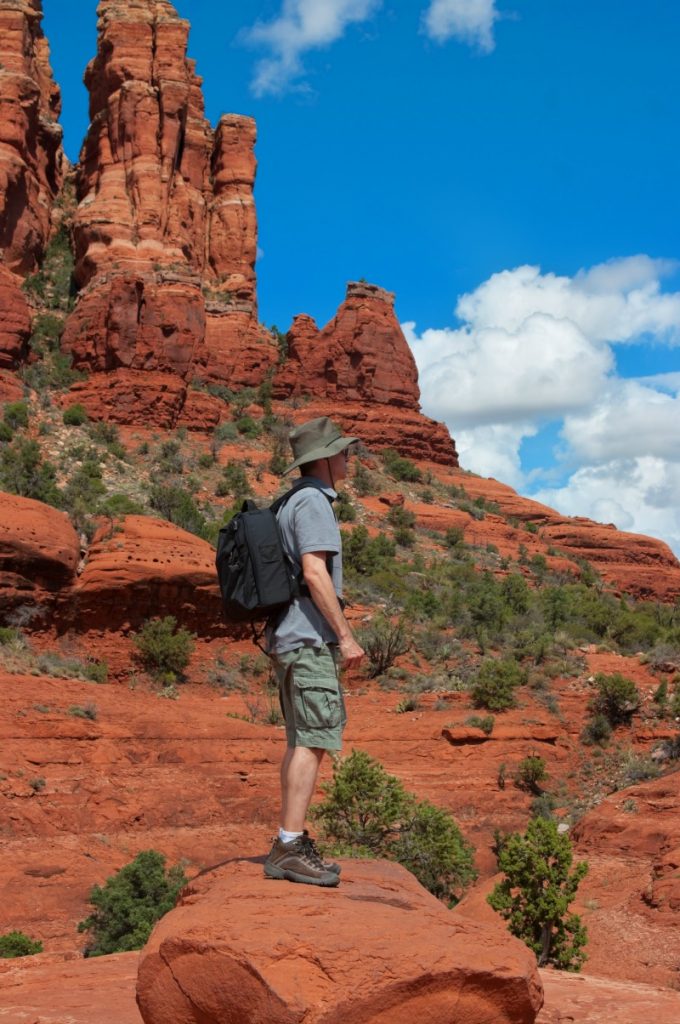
(365, 555)
(178, 506)
(129, 904)
(9, 635)
(483, 722)
(16, 415)
(454, 537)
(23, 472)
(617, 698)
(15, 944)
(367, 812)
(249, 427)
(383, 641)
(344, 509)
(535, 895)
(88, 711)
(399, 467)
(75, 415)
(597, 730)
(165, 651)
(362, 480)
(494, 687)
(116, 505)
(530, 772)
(234, 481)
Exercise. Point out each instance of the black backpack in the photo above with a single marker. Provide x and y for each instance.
(257, 578)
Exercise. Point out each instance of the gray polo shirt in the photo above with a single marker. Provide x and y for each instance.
(307, 523)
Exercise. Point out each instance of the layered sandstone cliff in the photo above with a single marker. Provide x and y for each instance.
(360, 370)
(31, 162)
(165, 233)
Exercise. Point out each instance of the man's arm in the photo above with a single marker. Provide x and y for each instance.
(322, 591)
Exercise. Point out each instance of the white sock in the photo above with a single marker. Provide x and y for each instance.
(288, 837)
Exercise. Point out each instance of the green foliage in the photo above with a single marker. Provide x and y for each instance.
(399, 467)
(249, 427)
(52, 284)
(15, 944)
(344, 509)
(108, 435)
(494, 687)
(597, 730)
(530, 772)
(617, 698)
(281, 339)
(454, 537)
(177, 505)
(383, 641)
(165, 650)
(75, 415)
(362, 480)
(234, 481)
(23, 472)
(129, 904)
(9, 635)
(367, 812)
(535, 895)
(16, 415)
(483, 722)
(118, 505)
(365, 555)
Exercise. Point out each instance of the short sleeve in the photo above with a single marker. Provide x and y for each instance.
(314, 524)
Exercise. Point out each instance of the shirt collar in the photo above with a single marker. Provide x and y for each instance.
(326, 488)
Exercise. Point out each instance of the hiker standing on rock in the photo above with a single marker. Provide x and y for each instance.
(307, 645)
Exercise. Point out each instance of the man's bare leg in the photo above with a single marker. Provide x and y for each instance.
(299, 771)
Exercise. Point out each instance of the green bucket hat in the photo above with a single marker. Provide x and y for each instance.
(318, 439)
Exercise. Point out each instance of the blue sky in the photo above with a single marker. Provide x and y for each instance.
(443, 149)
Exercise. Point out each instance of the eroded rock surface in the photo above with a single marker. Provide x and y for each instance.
(377, 949)
(39, 552)
(165, 231)
(360, 370)
(30, 164)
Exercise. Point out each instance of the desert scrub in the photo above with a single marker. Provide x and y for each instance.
(617, 698)
(495, 685)
(367, 812)
(15, 944)
(383, 641)
(164, 650)
(127, 907)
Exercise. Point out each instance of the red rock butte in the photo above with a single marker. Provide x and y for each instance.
(31, 164)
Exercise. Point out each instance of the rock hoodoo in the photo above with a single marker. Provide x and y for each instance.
(377, 950)
(360, 369)
(30, 163)
(165, 232)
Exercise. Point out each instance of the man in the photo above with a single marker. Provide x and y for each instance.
(306, 645)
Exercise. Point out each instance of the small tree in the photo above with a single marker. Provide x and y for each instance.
(128, 906)
(530, 772)
(165, 651)
(535, 895)
(14, 944)
(367, 812)
(496, 682)
(617, 698)
(75, 415)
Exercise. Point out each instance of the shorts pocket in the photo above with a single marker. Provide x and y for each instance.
(319, 708)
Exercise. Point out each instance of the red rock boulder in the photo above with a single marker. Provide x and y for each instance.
(145, 568)
(15, 323)
(378, 949)
(39, 552)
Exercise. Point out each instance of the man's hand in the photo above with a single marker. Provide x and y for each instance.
(351, 652)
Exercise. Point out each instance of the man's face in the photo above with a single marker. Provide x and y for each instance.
(339, 465)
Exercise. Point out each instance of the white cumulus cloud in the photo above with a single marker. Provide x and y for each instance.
(302, 25)
(471, 21)
(533, 348)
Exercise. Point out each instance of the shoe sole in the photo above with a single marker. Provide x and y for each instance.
(272, 871)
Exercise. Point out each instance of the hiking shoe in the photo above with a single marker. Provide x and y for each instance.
(298, 861)
(329, 865)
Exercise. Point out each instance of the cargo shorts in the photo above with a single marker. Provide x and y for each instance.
(311, 698)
